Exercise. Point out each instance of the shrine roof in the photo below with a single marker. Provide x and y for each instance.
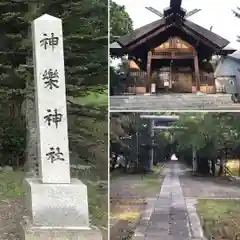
(146, 30)
(235, 55)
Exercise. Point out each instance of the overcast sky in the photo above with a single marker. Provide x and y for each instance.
(216, 13)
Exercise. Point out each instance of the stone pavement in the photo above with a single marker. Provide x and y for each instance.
(173, 102)
(170, 217)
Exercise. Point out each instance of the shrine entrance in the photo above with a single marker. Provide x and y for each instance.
(173, 66)
(179, 79)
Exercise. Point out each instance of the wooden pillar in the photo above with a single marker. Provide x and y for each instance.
(149, 61)
(196, 68)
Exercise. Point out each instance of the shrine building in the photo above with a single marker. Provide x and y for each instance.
(171, 49)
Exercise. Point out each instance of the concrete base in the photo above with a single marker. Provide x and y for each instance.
(29, 232)
(56, 205)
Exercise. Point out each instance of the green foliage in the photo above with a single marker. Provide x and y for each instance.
(11, 186)
(14, 50)
(93, 98)
(85, 27)
(12, 144)
(122, 125)
(220, 218)
(120, 21)
(88, 147)
(212, 131)
(97, 201)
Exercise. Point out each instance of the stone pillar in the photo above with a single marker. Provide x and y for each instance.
(56, 205)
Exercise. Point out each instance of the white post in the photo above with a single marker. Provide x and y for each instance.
(50, 91)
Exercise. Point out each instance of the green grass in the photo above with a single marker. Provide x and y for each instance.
(11, 186)
(152, 180)
(98, 204)
(234, 165)
(220, 218)
(93, 99)
(98, 207)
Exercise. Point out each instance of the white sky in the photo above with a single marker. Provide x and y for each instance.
(216, 13)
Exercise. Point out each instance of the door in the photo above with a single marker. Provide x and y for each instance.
(182, 82)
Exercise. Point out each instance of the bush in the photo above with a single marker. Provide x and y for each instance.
(13, 141)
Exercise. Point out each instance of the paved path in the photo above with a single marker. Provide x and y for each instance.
(173, 102)
(170, 217)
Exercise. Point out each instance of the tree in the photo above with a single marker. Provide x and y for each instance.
(14, 21)
(120, 24)
(237, 14)
(123, 128)
(209, 134)
(120, 21)
(85, 26)
(15, 49)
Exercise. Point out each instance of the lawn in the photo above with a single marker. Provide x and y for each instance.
(93, 98)
(129, 195)
(130, 208)
(11, 185)
(220, 218)
(234, 166)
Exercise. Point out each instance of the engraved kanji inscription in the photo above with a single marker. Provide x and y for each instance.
(55, 155)
(51, 41)
(54, 118)
(51, 78)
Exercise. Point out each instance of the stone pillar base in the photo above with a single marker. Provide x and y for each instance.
(30, 232)
(56, 205)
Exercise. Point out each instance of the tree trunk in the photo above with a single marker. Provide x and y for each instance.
(202, 165)
(31, 163)
(213, 168)
(222, 161)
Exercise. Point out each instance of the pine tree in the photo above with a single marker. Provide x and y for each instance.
(85, 30)
(14, 48)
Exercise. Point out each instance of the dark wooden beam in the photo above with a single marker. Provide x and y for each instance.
(147, 38)
(175, 4)
(149, 61)
(199, 39)
(174, 50)
(197, 75)
(172, 57)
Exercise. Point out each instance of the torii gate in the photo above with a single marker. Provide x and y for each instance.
(154, 127)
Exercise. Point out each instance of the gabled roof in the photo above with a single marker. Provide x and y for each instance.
(143, 31)
(235, 55)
